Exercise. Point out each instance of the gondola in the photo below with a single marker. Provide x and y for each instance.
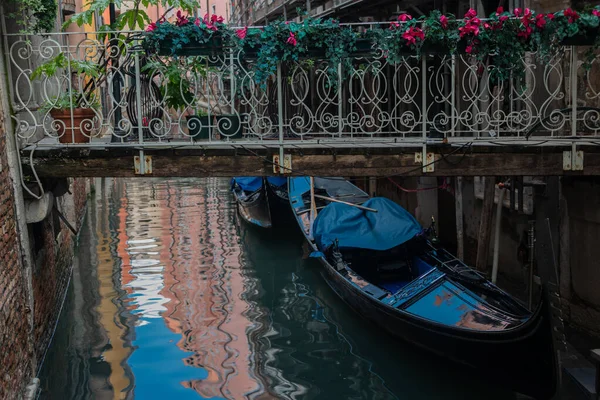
(252, 200)
(279, 202)
(380, 261)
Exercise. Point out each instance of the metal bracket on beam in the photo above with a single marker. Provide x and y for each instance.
(573, 160)
(429, 161)
(284, 168)
(145, 168)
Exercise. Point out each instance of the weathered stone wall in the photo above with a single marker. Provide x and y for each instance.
(15, 360)
(54, 262)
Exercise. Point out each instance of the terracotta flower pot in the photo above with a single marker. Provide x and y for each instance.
(80, 131)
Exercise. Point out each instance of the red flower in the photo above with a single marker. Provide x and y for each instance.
(596, 12)
(572, 15)
(241, 33)
(151, 27)
(540, 21)
(292, 39)
(550, 16)
(469, 49)
(181, 19)
(404, 17)
(444, 21)
(503, 18)
(412, 34)
(476, 21)
(499, 11)
(517, 12)
(487, 26)
(394, 25)
(471, 13)
(528, 13)
(470, 28)
(525, 33)
(197, 22)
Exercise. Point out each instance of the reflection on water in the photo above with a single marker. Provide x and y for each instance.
(173, 297)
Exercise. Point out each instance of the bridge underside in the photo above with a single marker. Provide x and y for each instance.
(261, 160)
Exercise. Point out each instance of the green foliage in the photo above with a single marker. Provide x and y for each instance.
(66, 101)
(51, 67)
(285, 41)
(178, 74)
(44, 14)
(173, 37)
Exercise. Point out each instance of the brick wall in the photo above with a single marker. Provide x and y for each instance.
(54, 263)
(14, 357)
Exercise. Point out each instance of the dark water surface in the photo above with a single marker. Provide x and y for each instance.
(172, 297)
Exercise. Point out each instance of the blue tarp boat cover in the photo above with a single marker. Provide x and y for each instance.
(277, 181)
(248, 183)
(389, 227)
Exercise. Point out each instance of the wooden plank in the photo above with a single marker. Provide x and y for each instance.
(460, 237)
(485, 224)
(198, 163)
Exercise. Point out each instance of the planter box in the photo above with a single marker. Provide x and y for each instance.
(229, 126)
(364, 48)
(199, 127)
(193, 48)
(585, 38)
(81, 129)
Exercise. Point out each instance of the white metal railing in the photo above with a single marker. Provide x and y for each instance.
(372, 102)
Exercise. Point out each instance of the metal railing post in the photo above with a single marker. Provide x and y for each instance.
(280, 116)
(573, 91)
(424, 109)
(340, 99)
(138, 99)
(70, 85)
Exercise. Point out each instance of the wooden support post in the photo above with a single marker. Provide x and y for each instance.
(485, 224)
(372, 186)
(458, 203)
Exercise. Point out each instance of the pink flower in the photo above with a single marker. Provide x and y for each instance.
(469, 49)
(215, 18)
(487, 26)
(572, 15)
(197, 22)
(292, 39)
(181, 19)
(412, 34)
(151, 27)
(444, 21)
(550, 16)
(503, 18)
(241, 33)
(517, 12)
(404, 17)
(212, 27)
(540, 21)
(394, 25)
(596, 12)
(476, 21)
(471, 13)
(499, 11)
(525, 33)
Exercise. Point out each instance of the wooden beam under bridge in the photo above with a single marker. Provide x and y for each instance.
(257, 161)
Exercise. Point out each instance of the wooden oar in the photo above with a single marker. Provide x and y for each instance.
(313, 207)
(344, 202)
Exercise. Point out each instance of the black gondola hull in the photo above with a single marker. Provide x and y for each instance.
(522, 358)
(255, 209)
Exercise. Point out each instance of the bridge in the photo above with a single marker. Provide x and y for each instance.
(438, 115)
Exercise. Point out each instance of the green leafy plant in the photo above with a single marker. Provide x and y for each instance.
(171, 38)
(285, 41)
(441, 32)
(582, 26)
(34, 16)
(79, 69)
(65, 101)
(178, 73)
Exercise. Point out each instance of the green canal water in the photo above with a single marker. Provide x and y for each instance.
(173, 297)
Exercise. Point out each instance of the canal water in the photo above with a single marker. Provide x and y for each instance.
(173, 297)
